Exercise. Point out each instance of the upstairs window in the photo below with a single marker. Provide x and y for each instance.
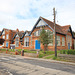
(37, 33)
(7, 36)
(26, 34)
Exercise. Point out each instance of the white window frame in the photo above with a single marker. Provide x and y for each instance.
(7, 36)
(58, 40)
(17, 42)
(63, 41)
(26, 42)
(51, 39)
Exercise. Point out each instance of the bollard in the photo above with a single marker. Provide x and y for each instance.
(22, 53)
(6, 51)
(37, 53)
(16, 52)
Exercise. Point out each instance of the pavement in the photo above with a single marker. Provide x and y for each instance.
(21, 65)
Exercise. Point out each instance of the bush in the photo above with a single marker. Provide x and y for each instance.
(64, 51)
(40, 55)
(54, 58)
(71, 52)
(61, 52)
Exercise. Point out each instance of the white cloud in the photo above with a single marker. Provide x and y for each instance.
(23, 14)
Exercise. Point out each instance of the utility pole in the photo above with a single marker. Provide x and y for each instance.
(55, 38)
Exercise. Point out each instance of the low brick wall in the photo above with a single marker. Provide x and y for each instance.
(30, 54)
(67, 57)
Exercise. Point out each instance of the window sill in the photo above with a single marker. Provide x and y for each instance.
(16, 46)
(25, 46)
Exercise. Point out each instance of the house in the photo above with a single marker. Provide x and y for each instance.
(26, 40)
(7, 35)
(64, 35)
(17, 40)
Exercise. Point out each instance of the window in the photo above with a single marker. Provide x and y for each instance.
(37, 33)
(31, 40)
(63, 41)
(3, 37)
(51, 37)
(7, 44)
(17, 42)
(7, 36)
(58, 40)
(26, 42)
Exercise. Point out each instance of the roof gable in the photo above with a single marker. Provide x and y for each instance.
(40, 22)
(17, 35)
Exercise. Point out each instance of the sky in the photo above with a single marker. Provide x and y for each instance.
(23, 14)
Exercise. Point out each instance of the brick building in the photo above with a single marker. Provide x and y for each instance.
(29, 39)
(8, 35)
(65, 38)
(17, 40)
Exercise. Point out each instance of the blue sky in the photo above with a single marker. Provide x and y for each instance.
(23, 14)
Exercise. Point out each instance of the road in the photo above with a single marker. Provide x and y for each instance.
(16, 65)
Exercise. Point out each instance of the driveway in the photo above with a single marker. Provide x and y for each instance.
(17, 65)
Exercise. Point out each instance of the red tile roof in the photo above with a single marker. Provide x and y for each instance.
(59, 29)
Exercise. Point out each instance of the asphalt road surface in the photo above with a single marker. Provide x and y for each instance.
(16, 65)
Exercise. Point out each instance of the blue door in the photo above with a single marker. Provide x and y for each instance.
(37, 44)
(68, 45)
(7, 44)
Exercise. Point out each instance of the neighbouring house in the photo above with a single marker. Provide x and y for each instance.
(7, 35)
(17, 40)
(26, 40)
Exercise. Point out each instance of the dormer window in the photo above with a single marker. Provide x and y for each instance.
(26, 34)
(7, 36)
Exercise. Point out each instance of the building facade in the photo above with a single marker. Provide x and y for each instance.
(29, 39)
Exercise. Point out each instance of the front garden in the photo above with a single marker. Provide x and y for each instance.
(62, 54)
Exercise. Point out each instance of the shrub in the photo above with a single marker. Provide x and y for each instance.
(54, 58)
(64, 51)
(40, 55)
(61, 52)
(71, 52)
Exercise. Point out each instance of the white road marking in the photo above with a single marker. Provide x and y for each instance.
(12, 58)
(4, 58)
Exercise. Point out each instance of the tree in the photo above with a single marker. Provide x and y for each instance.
(44, 38)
